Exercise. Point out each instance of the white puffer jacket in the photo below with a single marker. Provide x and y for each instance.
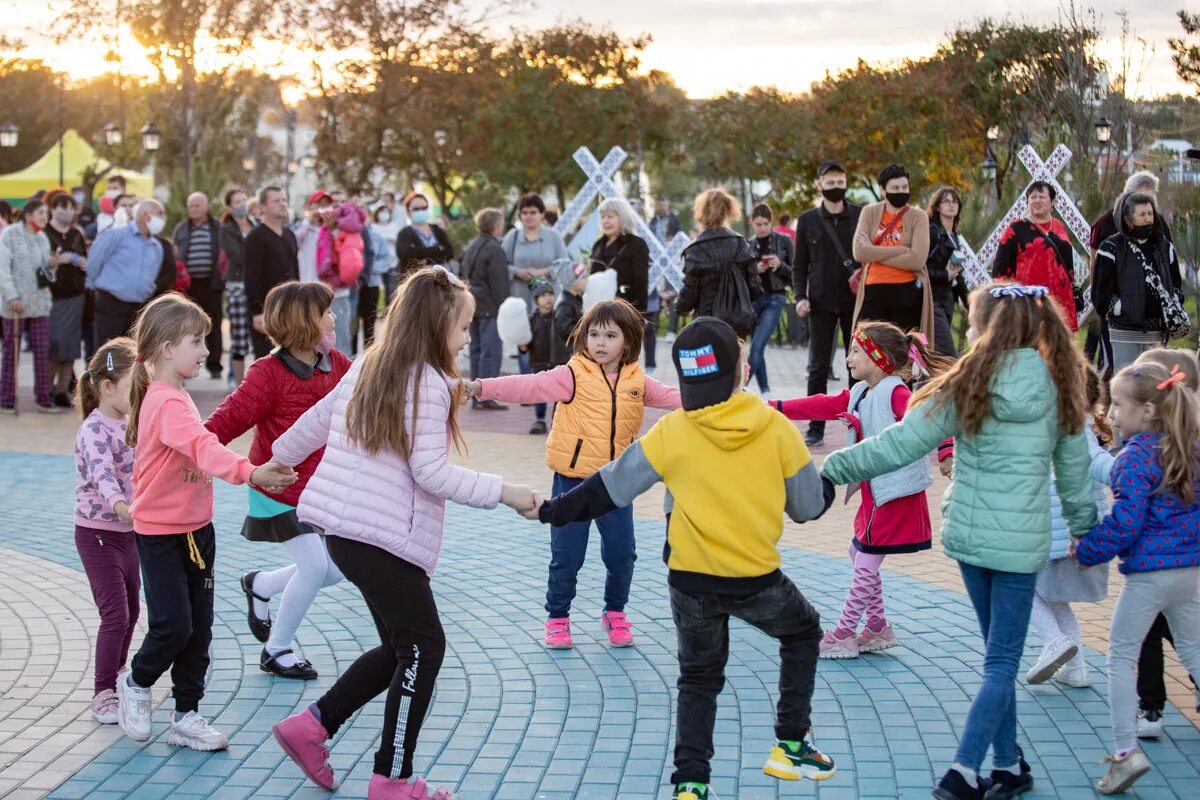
(394, 503)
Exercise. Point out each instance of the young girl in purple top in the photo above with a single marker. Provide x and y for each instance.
(103, 525)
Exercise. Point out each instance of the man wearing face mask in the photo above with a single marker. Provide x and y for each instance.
(85, 215)
(124, 269)
(821, 277)
(892, 244)
(198, 242)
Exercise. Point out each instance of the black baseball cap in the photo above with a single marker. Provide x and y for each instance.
(706, 355)
(832, 165)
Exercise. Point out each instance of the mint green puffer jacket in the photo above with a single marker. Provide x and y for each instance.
(996, 513)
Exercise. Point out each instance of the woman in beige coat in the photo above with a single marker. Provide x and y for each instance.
(892, 244)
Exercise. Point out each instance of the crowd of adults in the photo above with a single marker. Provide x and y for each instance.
(73, 276)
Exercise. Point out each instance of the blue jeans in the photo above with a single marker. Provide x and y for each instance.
(1002, 603)
(568, 546)
(487, 351)
(767, 309)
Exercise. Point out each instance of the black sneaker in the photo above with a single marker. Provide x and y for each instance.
(62, 400)
(215, 374)
(953, 786)
(538, 428)
(814, 438)
(1005, 785)
(692, 791)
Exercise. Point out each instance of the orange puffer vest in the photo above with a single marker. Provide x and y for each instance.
(599, 421)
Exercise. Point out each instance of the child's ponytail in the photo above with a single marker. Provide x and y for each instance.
(924, 361)
(1097, 403)
(111, 362)
(908, 354)
(166, 320)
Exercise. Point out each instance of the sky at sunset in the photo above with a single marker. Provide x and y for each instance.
(711, 46)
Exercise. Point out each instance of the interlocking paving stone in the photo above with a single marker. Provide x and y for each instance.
(512, 720)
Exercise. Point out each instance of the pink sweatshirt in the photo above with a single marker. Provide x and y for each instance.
(558, 386)
(104, 466)
(175, 464)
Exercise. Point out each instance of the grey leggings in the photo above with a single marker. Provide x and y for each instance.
(1176, 594)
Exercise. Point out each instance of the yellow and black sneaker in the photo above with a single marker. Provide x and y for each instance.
(791, 761)
(693, 791)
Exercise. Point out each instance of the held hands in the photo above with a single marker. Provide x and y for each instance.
(473, 388)
(521, 498)
(946, 466)
(273, 476)
(121, 508)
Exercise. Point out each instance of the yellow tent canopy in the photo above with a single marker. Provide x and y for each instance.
(77, 156)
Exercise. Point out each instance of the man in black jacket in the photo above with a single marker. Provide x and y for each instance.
(821, 278)
(271, 258)
(485, 268)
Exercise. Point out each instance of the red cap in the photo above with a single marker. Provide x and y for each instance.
(318, 196)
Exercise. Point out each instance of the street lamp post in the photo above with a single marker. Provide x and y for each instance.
(113, 135)
(151, 141)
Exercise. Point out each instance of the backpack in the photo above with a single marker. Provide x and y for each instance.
(732, 300)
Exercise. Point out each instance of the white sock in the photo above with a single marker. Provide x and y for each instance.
(286, 660)
(969, 775)
(1015, 769)
(129, 682)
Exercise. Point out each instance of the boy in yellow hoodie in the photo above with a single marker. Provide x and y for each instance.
(731, 466)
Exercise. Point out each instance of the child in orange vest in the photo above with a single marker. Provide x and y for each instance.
(602, 394)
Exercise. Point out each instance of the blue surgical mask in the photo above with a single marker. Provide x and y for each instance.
(420, 217)
(79, 197)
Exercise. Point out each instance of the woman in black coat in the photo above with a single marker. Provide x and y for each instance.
(421, 244)
(620, 249)
(715, 250)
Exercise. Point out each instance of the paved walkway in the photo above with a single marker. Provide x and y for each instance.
(510, 719)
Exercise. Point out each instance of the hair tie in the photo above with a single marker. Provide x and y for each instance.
(87, 373)
(914, 355)
(108, 362)
(139, 360)
(1018, 290)
(875, 353)
(1176, 376)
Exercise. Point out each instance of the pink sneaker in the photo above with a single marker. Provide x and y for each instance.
(384, 788)
(558, 633)
(303, 737)
(105, 707)
(833, 646)
(870, 641)
(616, 625)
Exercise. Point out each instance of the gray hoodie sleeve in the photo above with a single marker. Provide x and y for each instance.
(628, 476)
(808, 494)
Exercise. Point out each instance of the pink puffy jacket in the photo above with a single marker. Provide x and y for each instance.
(384, 499)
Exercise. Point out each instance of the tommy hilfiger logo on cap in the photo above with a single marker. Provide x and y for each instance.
(701, 361)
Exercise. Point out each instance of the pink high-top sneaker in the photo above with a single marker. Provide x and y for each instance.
(384, 788)
(303, 737)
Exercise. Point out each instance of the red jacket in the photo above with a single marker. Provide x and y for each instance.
(275, 393)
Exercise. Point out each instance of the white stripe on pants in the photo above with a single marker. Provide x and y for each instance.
(1176, 594)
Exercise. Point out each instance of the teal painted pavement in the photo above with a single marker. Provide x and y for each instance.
(512, 721)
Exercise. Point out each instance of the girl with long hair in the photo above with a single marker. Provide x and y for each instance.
(386, 429)
(1015, 403)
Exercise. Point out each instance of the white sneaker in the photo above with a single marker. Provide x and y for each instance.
(1054, 655)
(670, 337)
(1074, 674)
(134, 710)
(1149, 725)
(192, 730)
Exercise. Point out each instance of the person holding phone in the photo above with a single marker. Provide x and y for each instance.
(775, 257)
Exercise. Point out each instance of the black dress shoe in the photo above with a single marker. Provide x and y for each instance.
(301, 670)
(1005, 785)
(62, 400)
(261, 628)
(953, 786)
(814, 438)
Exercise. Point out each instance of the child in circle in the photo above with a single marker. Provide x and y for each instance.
(602, 395)
(380, 494)
(304, 367)
(893, 516)
(103, 525)
(172, 516)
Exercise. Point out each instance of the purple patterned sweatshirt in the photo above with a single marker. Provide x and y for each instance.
(104, 466)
